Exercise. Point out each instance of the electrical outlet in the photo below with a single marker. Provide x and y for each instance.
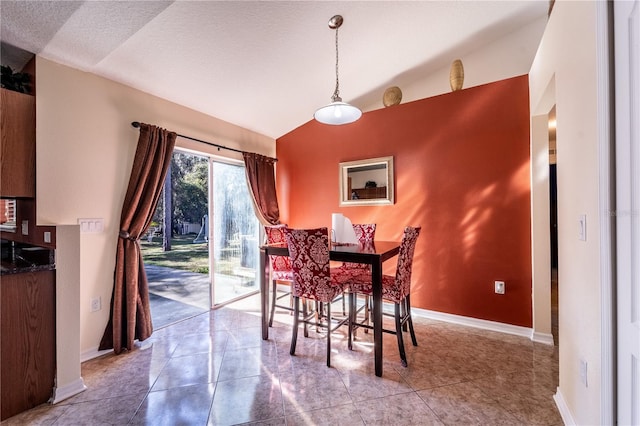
(96, 304)
(47, 237)
(499, 287)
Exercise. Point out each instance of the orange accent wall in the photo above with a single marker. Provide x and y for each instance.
(461, 172)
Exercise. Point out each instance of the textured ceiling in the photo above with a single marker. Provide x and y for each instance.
(262, 65)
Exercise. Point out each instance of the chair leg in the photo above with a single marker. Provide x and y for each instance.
(407, 301)
(318, 315)
(367, 311)
(403, 356)
(294, 335)
(352, 318)
(329, 334)
(403, 312)
(304, 316)
(273, 303)
(353, 307)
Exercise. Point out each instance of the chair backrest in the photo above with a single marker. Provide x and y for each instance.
(309, 253)
(275, 234)
(405, 259)
(365, 232)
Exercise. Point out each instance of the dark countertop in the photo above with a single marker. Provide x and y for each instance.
(8, 268)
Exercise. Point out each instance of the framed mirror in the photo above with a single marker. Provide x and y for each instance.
(366, 182)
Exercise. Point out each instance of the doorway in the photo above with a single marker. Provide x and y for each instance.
(201, 249)
(541, 133)
(553, 222)
(176, 258)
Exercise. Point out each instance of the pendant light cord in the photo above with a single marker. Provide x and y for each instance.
(336, 92)
(337, 112)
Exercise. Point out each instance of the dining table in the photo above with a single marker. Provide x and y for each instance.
(374, 254)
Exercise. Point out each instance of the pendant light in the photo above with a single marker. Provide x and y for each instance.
(337, 112)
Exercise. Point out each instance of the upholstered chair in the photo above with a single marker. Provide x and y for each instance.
(365, 233)
(395, 289)
(281, 272)
(313, 279)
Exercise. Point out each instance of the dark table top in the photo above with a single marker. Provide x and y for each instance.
(367, 253)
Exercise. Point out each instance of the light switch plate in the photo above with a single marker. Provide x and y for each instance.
(91, 225)
(582, 227)
(25, 227)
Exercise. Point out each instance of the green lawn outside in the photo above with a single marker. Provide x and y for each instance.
(184, 254)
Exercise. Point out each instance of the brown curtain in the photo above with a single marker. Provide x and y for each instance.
(130, 316)
(262, 182)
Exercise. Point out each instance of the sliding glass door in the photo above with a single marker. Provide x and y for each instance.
(234, 248)
(201, 249)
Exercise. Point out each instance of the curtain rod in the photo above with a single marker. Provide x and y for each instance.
(136, 124)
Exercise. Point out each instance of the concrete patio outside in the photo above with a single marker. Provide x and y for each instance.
(176, 295)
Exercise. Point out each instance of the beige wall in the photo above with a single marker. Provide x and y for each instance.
(85, 148)
(566, 62)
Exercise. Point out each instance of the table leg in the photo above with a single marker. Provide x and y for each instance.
(376, 280)
(263, 276)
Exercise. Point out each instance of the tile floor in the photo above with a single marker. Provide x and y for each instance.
(215, 369)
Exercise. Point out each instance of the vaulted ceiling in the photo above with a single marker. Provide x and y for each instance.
(263, 65)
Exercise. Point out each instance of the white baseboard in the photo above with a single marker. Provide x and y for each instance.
(482, 324)
(545, 338)
(60, 393)
(93, 353)
(565, 413)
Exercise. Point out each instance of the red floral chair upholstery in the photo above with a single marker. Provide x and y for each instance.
(365, 234)
(281, 271)
(313, 279)
(395, 289)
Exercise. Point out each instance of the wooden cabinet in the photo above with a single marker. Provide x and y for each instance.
(27, 340)
(18, 165)
(371, 193)
(17, 145)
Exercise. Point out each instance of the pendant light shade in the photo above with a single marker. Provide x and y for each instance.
(337, 112)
